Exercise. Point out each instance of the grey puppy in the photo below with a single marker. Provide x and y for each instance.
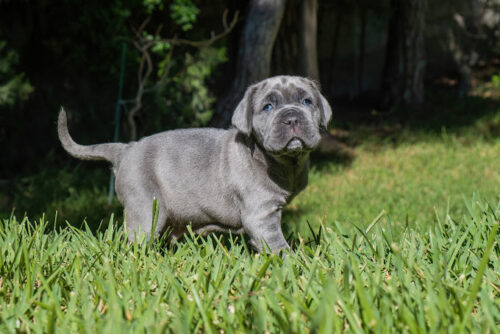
(234, 180)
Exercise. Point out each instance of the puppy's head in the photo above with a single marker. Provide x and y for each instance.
(284, 114)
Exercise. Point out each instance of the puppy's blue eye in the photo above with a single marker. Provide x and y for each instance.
(268, 107)
(306, 102)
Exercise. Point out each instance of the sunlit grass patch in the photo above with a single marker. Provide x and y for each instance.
(411, 182)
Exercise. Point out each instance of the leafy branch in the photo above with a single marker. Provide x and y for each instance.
(146, 43)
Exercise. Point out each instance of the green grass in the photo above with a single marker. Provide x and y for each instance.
(70, 280)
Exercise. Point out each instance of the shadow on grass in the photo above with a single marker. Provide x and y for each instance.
(74, 193)
(443, 115)
(443, 111)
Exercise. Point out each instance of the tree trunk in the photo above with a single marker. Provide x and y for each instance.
(254, 55)
(308, 35)
(286, 48)
(333, 55)
(403, 77)
(362, 42)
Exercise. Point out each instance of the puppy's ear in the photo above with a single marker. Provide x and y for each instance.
(242, 116)
(324, 107)
(325, 112)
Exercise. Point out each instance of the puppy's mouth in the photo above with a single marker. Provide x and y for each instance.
(294, 145)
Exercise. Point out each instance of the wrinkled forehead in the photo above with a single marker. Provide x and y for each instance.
(288, 87)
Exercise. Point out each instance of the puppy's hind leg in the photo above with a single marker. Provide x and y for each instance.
(139, 217)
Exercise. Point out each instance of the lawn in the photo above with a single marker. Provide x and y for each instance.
(444, 280)
(402, 238)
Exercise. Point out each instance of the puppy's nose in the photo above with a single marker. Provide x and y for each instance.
(291, 121)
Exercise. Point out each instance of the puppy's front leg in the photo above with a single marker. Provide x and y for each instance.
(264, 228)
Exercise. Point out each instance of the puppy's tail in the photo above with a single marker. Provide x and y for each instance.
(111, 152)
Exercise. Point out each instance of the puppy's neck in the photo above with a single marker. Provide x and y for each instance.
(289, 172)
(293, 161)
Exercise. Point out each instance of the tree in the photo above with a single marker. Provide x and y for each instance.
(308, 35)
(254, 55)
(403, 75)
(295, 50)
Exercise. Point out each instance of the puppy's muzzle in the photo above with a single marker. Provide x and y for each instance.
(292, 118)
(293, 121)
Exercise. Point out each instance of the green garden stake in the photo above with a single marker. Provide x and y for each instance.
(117, 118)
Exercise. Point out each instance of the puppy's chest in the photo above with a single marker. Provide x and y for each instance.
(289, 182)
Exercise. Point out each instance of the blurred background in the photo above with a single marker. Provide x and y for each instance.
(393, 70)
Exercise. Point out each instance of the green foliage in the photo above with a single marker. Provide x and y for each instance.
(161, 47)
(184, 13)
(495, 80)
(187, 99)
(445, 279)
(181, 71)
(151, 5)
(14, 87)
